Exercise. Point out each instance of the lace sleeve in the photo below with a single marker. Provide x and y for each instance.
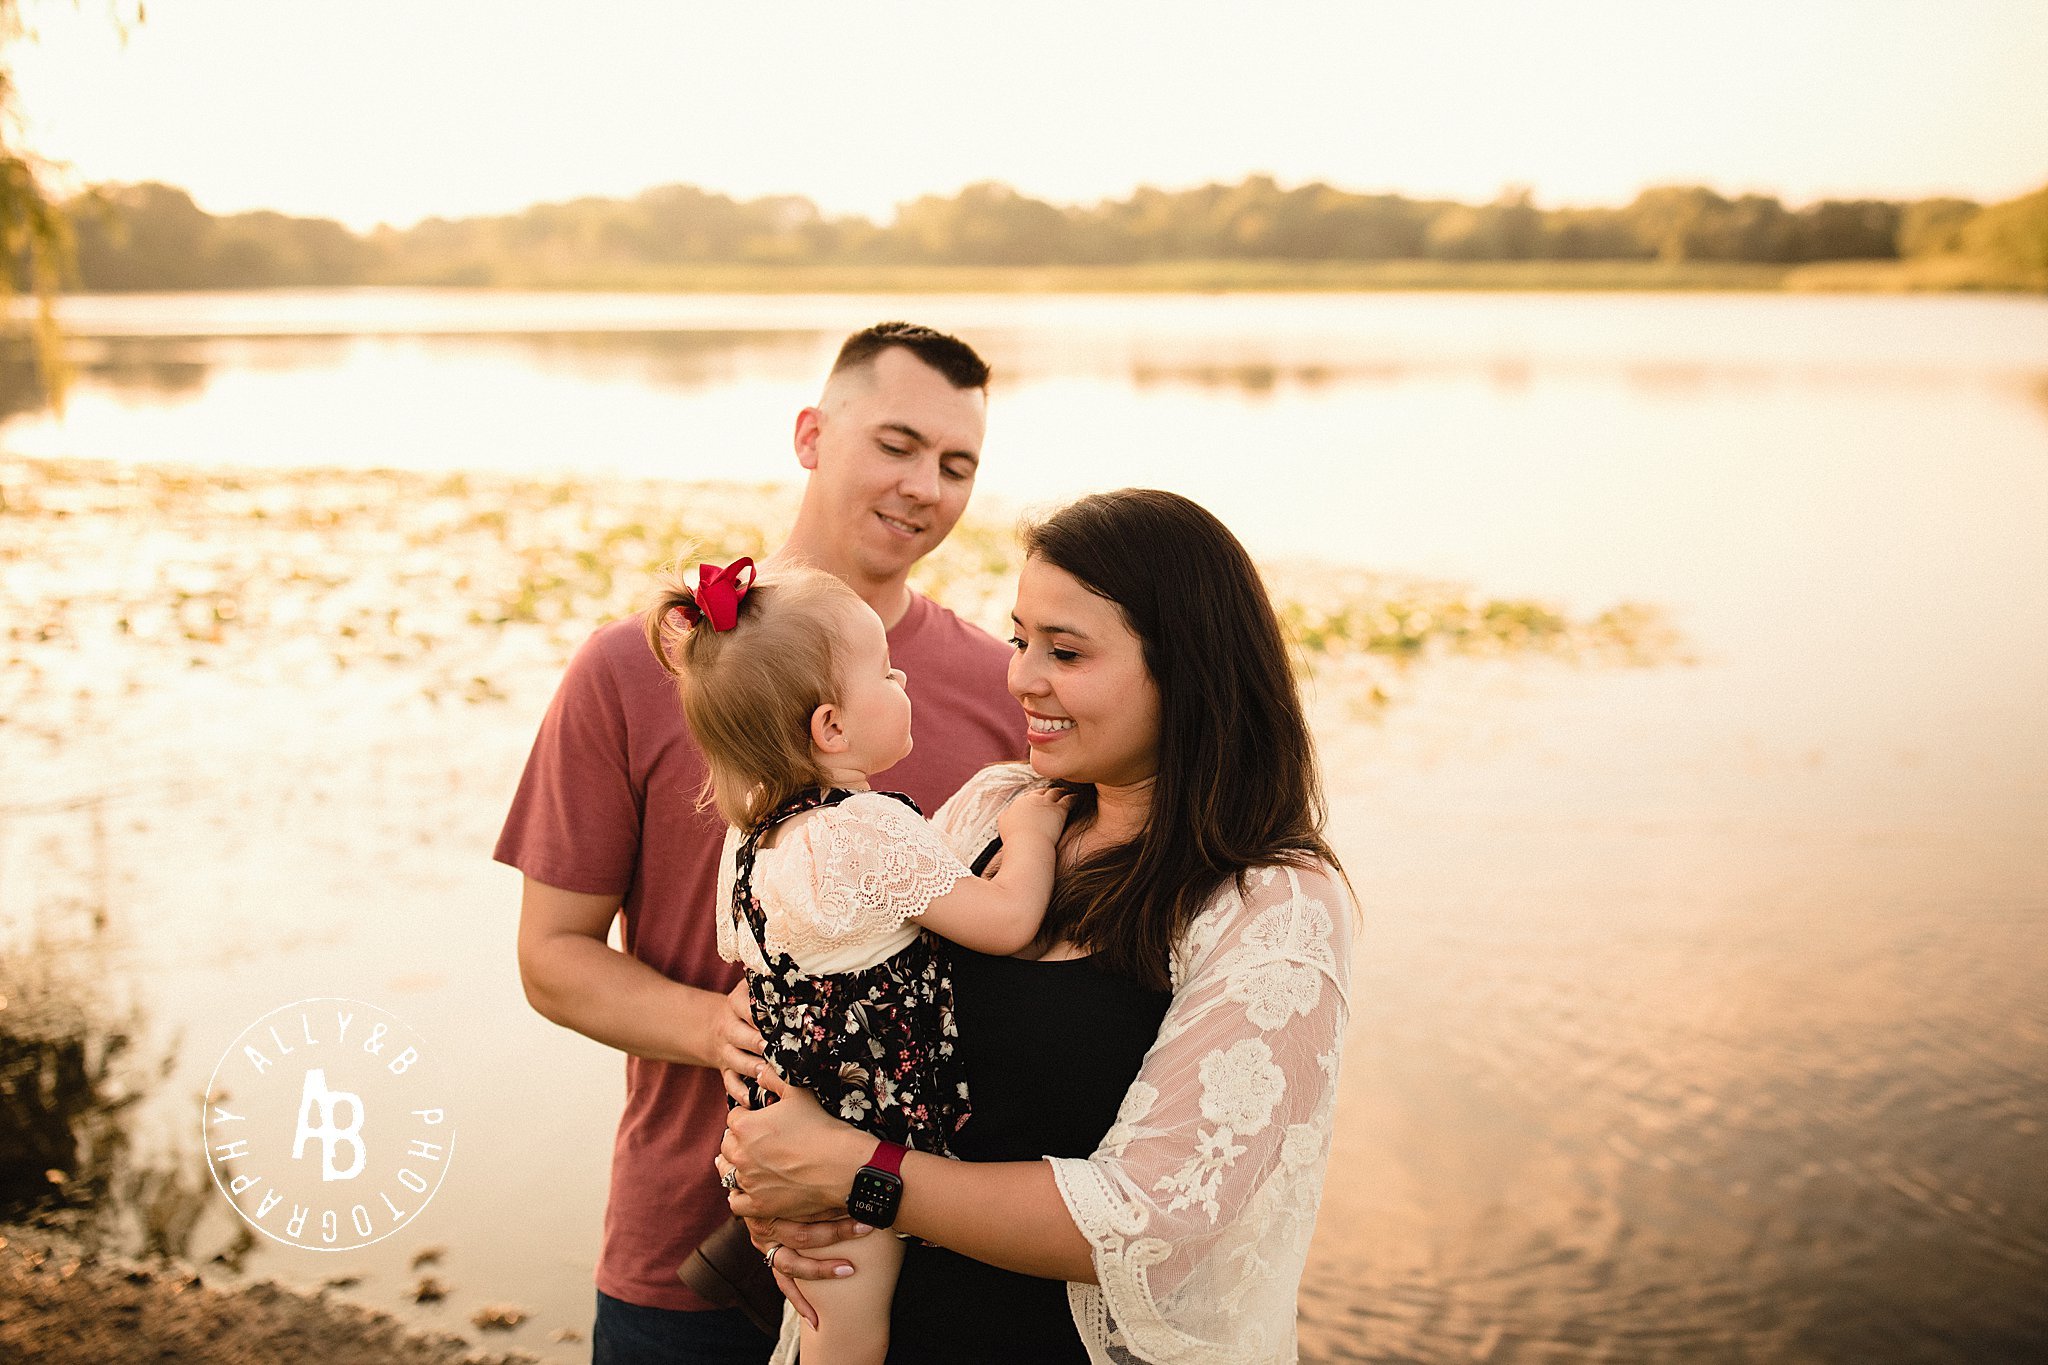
(1201, 1199)
(967, 822)
(852, 874)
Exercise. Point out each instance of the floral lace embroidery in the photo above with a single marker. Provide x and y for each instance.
(1201, 1200)
(1241, 1086)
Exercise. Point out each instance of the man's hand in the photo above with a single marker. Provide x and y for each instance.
(736, 1043)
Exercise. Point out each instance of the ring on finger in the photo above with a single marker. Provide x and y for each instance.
(730, 1180)
(769, 1254)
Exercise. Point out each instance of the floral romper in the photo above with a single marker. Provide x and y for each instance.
(874, 1044)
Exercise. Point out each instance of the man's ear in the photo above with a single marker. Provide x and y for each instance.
(807, 424)
(826, 736)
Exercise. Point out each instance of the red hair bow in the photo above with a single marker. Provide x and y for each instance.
(719, 592)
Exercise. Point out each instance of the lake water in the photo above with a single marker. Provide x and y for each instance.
(1699, 1010)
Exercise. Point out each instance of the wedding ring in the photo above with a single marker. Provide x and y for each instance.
(731, 1180)
(769, 1255)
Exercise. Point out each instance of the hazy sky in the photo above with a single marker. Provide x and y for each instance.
(393, 110)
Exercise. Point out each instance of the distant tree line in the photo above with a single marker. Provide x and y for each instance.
(152, 236)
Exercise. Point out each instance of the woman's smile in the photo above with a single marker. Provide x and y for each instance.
(1045, 729)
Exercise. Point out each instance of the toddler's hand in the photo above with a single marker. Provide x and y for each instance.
(1037, 814)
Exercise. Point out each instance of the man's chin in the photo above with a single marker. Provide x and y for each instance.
(892, 561)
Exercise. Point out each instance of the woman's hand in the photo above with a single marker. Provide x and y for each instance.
(785, 1244)
(795, 1164)
(794, 1160)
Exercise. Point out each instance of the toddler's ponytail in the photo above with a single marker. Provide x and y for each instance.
(668, 622)
(683, 608)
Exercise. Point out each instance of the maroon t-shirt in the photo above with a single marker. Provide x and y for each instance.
(608, 806)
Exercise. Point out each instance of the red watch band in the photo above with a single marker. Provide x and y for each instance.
(888, 1158)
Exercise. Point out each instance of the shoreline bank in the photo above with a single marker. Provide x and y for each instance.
(63, 1303)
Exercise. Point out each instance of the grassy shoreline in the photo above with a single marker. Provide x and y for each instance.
(1928, 275)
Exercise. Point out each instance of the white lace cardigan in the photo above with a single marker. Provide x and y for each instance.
(1200, 1202)
(1202, 1197)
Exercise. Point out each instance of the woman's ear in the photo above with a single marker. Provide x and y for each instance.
(826, 735)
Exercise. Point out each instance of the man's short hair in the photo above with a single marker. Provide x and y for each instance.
(949, 355)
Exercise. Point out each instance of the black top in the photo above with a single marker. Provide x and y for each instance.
(1049, 1049)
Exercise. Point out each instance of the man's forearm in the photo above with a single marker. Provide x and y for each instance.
(620, 1001)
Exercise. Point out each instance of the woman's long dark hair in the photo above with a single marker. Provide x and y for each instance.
(1237, 786)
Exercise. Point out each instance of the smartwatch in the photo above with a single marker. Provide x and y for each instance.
(878, 1187)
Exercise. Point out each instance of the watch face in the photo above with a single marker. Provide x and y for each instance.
(875, 1197)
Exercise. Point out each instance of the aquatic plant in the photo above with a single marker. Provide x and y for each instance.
(112, 575)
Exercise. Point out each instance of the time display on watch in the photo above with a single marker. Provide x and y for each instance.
(877, 1187)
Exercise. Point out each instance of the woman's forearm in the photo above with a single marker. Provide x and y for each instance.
(796, 1162)
(1007, 1213)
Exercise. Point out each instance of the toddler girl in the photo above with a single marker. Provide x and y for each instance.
(788, 689)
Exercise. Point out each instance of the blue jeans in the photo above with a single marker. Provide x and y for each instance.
(628, 1334)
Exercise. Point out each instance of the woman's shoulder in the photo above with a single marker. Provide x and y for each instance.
(1308, 878)
(1298, 908)
(998, 781)
(968, 819)
(986, 793)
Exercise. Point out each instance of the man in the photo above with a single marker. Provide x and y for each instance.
(606, 819)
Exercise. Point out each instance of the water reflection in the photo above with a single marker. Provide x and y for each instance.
(164, 367)
(154, 367)
(61, 1097)
(108, 358)
(1744, 1087)
(1697, 1012)
(77, 1056)
(169, 368)
(682, 360)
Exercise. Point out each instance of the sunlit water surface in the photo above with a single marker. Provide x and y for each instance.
(1699, 1010)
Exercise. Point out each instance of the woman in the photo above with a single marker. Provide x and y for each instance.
(1152, 1081)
